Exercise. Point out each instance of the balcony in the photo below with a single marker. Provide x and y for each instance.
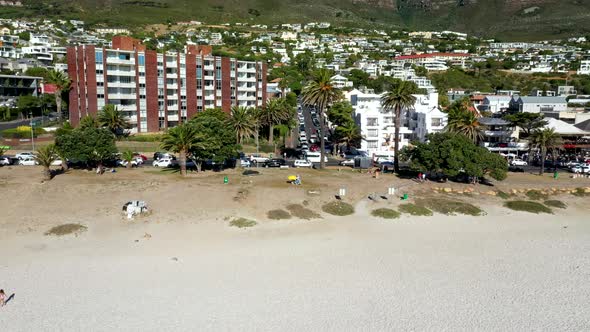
(118, 84)
(117, 61)
(122, 96)
(121, 72)
(172, 117)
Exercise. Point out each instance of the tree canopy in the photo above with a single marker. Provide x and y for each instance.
(90, 145)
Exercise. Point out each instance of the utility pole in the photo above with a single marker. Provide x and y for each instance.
(32, 132)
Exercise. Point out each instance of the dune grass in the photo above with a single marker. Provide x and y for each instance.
(66, 229)
(503, 195)
(278, 214)
(301, 212)
(528, 206)
(415, 210)
(338, 208)
(450, 207)
(580, 192)
(536, 195)
(385, 213)
(242, 223)
(556, 204)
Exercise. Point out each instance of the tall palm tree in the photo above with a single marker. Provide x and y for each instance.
(322, 93)
(127, 156)
(62, 83)
(241, 122)
(398, 98)
(544, 140)
(349, 134)
(111, 118)
(181, 139)
(466, 123)
(45, 156)
(257, 119)
(275, 112)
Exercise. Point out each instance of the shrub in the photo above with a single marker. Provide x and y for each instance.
(22, 132)
(66, 229)
(450, 207)
(267, 148)
(536, 195)
(415, 210)
(385, 213)
(528, 206)
(580, 192)
(338, 208)
(556, 204)
(144, 138)
(242, 223)
(278, 214)
(298, 211)
(503, 195)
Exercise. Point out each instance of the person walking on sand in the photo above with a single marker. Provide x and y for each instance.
(2, 298)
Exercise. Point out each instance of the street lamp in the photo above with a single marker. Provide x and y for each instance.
(32, 131)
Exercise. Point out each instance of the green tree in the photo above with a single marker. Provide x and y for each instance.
(27, 104)
(37, 72)
(88, 122)
(359, 78)
(276, 111)
(45, 156)
(545, 140)
(321, 93)
(452, 154)
(182, 139)
(241, 122)
(89, 145)
(464, 122)
(528, 123)
(111, 118)
(127, 156)
(349, 134)
(399, 98)
(62, 83)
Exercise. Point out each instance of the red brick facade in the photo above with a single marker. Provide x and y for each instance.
(151, 90)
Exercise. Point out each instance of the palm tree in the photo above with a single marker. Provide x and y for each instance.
(275, 112)
(545, 139)
(466, 123)
(127, 156)
(349, 134)
(398, 98)
(257, 119)
(88, 122)
(111, 118)
(181, 139)
(321, 93)
(241, 122)
(62, 83)
(283, 85)
(45, 156)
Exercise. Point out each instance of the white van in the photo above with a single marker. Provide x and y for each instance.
(379, 157)
(315, 157)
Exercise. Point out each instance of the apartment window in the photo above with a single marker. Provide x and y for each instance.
(199, 108)
(160, 64)
(436, 122)
(99, 83)
(372, 144)
(141, 96)
(218, 84)
(141, 60)
(372, 122)
(98, 57)
(142, 74)
(125, 79)
(372, 133)
(142, 85)
(100, 96)
(199, 84)
(99, 71)
(199, 72)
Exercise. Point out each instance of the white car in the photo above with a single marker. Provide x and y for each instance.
(24, 155)
(28, 162)
(518, 162)
(164, 162)
(245, 163)
(304, 147)
(302, 163)
(301, 119)
(134, 163)
(259, 159)
(313, 138)
(5, 161)
(57, 162)
(347, 162)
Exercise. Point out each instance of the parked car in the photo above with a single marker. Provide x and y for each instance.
(5, 161)
(245, 162)
(124, 163)
(57, 162)
(163, 155)
(24, 155)
(302, 163)
(313, 138)
(258, 158)
(347, 162)
(164, 162)
(30, 161)
(301, 119)
(576, 168)
(304, 147)
(275, 162)
(518, 162)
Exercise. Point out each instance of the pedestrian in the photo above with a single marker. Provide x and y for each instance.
(2, 298)
(420, 176)
(423, 177)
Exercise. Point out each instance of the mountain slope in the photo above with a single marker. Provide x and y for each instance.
(501, 18)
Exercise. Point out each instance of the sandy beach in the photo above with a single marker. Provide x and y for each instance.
(184, 269)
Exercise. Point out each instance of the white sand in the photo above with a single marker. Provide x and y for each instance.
(504, 272)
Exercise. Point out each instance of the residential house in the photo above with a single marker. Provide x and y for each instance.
(538, 104)
(341, 82)
(495, 104)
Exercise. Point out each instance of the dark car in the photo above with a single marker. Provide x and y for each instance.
(275, 162)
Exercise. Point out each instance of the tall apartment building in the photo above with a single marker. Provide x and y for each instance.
(156, 91)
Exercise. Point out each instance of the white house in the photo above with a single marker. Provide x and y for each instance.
(377, 124)
(495, 104)
(584, 67)
(341, 82)
(538, 104)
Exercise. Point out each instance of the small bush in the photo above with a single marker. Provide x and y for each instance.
(338, 208)
(528, 206)
(415, 210)
(556, 204)
(385, 213)
(536, 195)
(22, 132)
(503, 195)
(298, 211)
(278, 214)
(449, 207)
(144, 138)
(580, 192)
(242, 223)
(66, 229)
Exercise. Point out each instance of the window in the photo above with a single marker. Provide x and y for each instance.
(372, 122)
(141, 60)
(124, 57)
(100, 96)
(372, 133)
(142, 74)
(99, 83)
(372, 144)
(218, 84)
(98, 57)
(142, 85)
(436, 122)
(99, 71)
(141, 96)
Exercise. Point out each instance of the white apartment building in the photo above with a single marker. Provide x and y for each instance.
(584, 67)
(495, 104)
(377, 124)
(341, 82)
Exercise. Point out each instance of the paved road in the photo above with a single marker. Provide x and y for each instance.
(25, 122)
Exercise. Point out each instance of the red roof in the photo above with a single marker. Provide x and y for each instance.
(431, 55)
